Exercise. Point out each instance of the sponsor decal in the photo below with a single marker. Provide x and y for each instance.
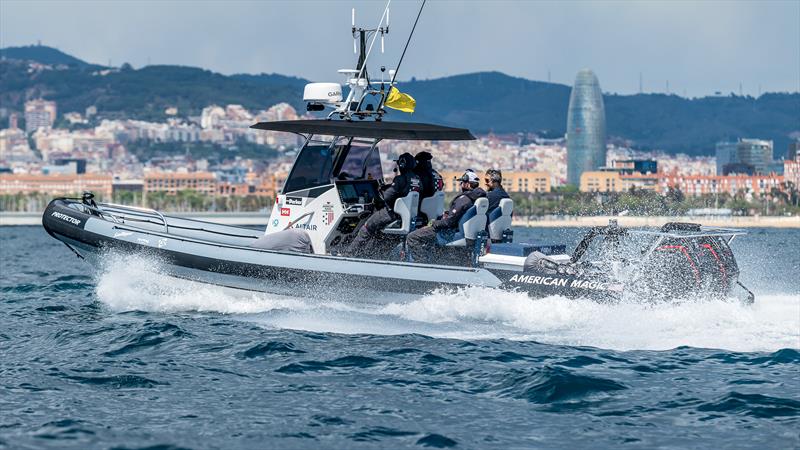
(286, 212)
(327, 214)
(162, 242)
(558, 281)
(294, 201)
(533, 279)
(119, 234)
(66, 218)
(143, 241)
(307, 227)
(275, 222)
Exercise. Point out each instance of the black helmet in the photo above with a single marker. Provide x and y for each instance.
(423, 156)
(405, 162)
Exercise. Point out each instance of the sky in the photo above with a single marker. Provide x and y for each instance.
(695, 47)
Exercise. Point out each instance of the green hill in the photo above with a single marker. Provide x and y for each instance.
(44, 55)
(483, 102)
(492, 101)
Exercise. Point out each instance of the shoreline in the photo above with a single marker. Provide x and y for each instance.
(258, 218)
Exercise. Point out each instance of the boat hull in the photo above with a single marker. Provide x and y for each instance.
(248, 268)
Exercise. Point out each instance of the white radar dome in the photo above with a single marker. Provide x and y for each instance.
(322, 93)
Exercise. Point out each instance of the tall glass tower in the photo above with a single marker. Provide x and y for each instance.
(586, 127)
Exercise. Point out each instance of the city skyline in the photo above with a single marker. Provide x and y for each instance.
(686, 49)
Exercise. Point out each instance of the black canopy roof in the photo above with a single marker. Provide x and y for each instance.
(370, 129)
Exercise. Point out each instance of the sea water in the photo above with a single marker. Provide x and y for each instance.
(124, 357)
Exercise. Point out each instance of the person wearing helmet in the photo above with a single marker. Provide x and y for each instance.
(429, 178)
(423, 240)
(402, 184)
(494, 187)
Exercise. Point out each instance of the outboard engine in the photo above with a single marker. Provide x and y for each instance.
(690, 262)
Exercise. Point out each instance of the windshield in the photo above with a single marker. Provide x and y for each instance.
(311, 169)
(354, 168)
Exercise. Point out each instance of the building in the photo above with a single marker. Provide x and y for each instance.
(601, 181)
(526, 181)
(80, 163)
(631, 166)
(586, 127)
(39, 114)
(697, 185)
(14, 145)
(755, 152)
(523, 182)
(748, 156)
(793, 150)
(56, 184)
(174, 182)
(791, 170)
(133, 186)
(725, 153)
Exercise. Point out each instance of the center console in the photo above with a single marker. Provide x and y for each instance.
(357, 198)
(357, 192)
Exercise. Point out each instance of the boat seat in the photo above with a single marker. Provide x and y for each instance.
(433, 206)
(406, 207)
(500, 219)
(473, 222)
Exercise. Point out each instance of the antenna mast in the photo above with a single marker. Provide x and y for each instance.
(358, 79)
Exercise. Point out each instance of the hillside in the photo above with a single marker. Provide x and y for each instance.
(144, 93)
(44, 55)
(492, 101)
(483, 102)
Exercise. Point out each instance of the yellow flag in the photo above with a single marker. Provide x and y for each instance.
(399, 101)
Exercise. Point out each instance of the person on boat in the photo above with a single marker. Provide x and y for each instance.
(402, 184)
(430, 180)
(422, 241)
(494, 187)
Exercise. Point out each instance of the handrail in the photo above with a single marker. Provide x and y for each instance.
(123, 208)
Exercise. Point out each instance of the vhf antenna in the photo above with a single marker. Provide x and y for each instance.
(382, 30)
(360, 85)
(362, 34)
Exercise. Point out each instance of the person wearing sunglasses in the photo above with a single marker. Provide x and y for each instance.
(494, 187)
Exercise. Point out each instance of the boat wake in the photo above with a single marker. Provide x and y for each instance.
(773, 322)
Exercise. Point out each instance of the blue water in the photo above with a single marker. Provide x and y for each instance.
(126, 358)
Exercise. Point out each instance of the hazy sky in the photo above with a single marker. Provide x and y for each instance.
(700, 47)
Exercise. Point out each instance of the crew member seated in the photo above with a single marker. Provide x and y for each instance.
(423, 241)
(494, 187)
(430, 180)
(402, 184)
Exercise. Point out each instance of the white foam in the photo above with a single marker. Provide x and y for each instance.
(136, 283)
(772, 323)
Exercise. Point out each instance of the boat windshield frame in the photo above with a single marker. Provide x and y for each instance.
(338, 149)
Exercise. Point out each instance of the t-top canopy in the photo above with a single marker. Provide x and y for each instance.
(370, 129)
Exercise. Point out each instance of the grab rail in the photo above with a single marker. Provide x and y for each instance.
(109, 208)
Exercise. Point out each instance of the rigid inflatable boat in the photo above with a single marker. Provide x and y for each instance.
(329, 193)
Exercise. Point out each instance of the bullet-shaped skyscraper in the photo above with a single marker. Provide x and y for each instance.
(586, 127)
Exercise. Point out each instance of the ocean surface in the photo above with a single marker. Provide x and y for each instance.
(122, 357)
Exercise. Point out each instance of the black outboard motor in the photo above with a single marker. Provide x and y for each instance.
(695, 265)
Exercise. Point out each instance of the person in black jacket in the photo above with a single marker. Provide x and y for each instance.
(402, 184)
(494, 185)
(424, 170)
(422, 241)
(430, 180)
